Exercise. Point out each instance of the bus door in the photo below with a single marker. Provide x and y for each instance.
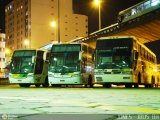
(39, 65)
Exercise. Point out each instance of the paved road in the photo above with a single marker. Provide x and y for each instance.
(32, 101)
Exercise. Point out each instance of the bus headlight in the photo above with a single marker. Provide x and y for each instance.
(127, 72)
(30, 75)
(98, 73)
(50, 75)
(75, 75)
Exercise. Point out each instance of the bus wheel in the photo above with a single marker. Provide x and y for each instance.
(146, 85)
(46, 84)
(128, 85)
(136, 85)
(22, 85)
(139, 78)
(90, 81)
(150, 86)
(37, 85)
(152, 82)
(55, 85)
(27, 85)
(106, 85)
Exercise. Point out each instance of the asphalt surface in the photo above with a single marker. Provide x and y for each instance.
(78, 103)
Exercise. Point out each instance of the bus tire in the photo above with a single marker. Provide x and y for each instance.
(37, 85)
(24, 85)
(107, 85)
(152, 82)
(27, 85)
(56, 85)
(136, 85)
(146, 86)
(46, 84)
(128, 85)
(90, 81)
(139, 78)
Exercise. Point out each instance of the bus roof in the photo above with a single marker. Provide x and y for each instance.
(133, 37)
(30, 49)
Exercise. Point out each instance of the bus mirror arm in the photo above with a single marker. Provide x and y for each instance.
(135, 55)
(33, 59)
(80, 56)
(93, 57)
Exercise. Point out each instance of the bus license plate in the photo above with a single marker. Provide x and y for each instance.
(62, 80)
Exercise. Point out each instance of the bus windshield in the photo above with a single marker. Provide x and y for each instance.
(113, 60)
(22, 65)
(64, 62)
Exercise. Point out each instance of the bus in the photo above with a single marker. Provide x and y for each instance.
(123, 60)
(29, 67)
(158, 75)
(70, 64)
(139, 9)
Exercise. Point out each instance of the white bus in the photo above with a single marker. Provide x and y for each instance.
(123, 60)
(29, 67)
(70, 64)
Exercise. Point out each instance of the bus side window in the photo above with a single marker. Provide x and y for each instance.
(39, 62)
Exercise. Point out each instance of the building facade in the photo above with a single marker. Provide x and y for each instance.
(27, 23)
(2, 51)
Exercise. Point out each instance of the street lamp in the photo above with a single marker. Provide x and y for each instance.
(54, 25)
(26, 43)
(98, 3)
(8, 54)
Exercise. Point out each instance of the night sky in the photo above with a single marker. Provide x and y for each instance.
(109, 11)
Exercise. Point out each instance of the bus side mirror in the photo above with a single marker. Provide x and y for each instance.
(80, 56)
(33, 59)
(135, 55)
(93, 57)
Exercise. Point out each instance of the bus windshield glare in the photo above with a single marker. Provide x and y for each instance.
(22, 65)
(114, 54)
(22, 62)
(64, 62)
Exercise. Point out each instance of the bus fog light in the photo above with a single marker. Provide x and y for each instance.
(126, 77)
(99, 78)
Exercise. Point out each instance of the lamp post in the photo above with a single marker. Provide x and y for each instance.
(98, 3)
(26, 43)
(53, 24)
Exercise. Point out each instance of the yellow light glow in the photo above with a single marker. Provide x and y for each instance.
(7, 51)
(97, 2)
(53, 24)
(26, 42)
